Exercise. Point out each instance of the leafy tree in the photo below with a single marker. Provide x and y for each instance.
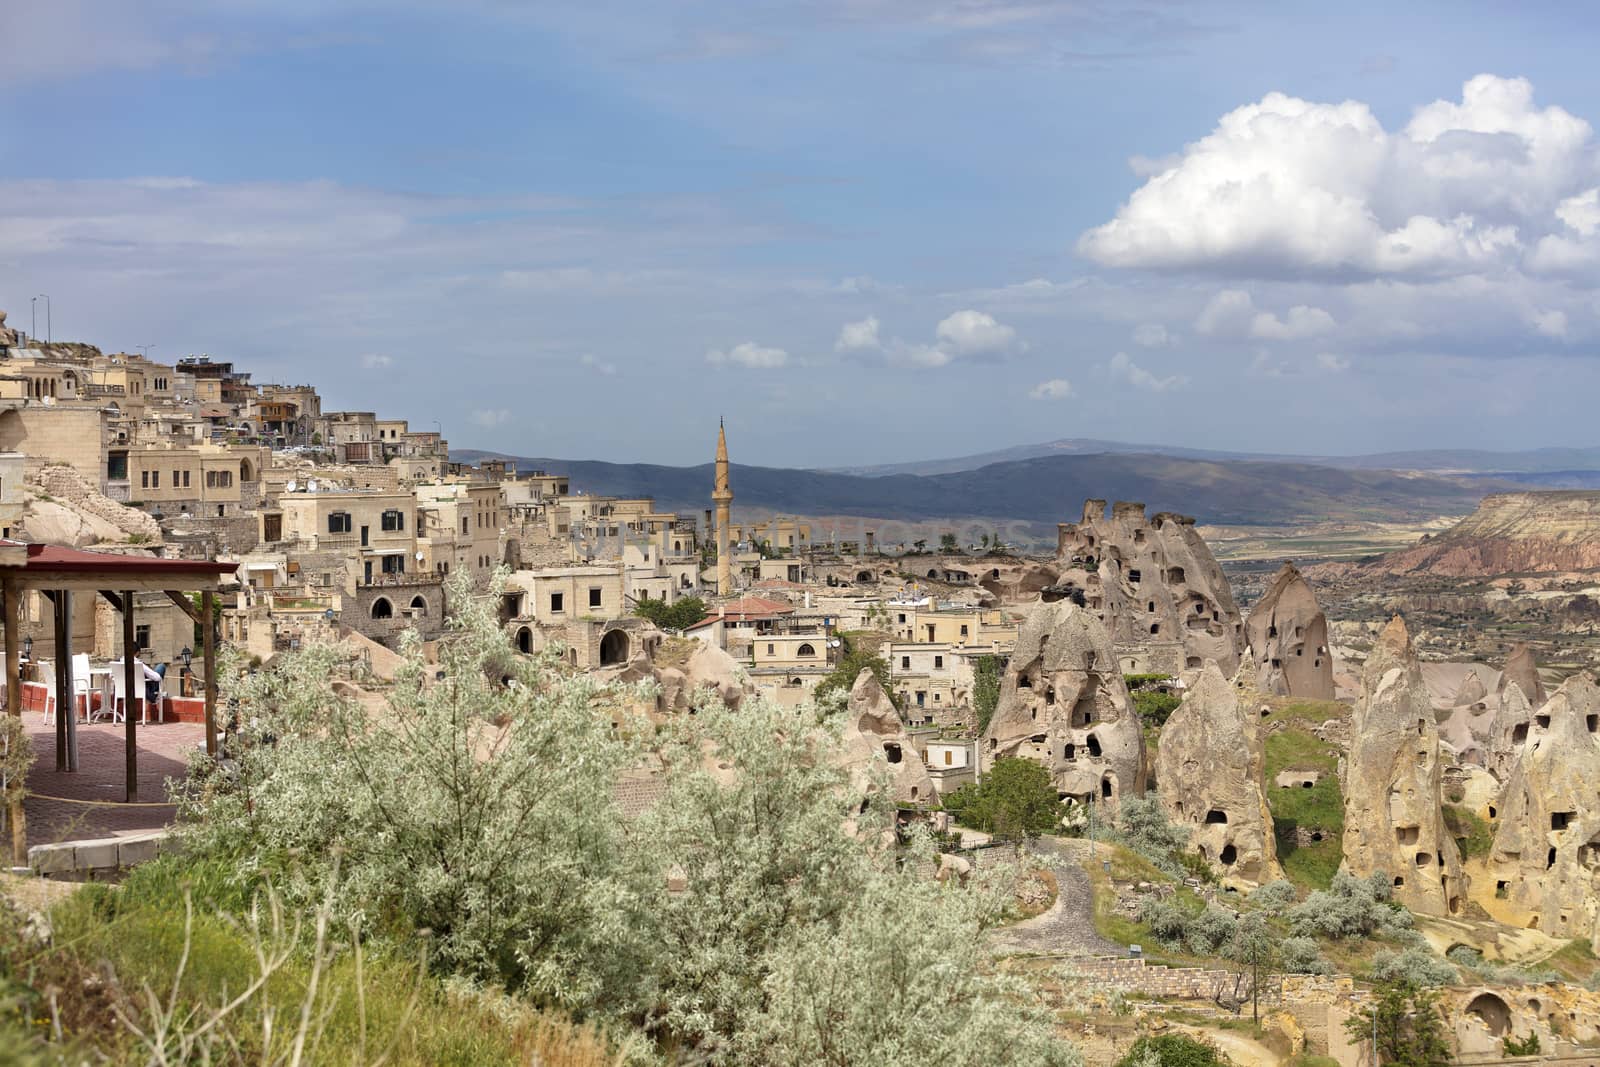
(949, 545)
(1254, 946)
(1353, 907)
(1171, 1050)
(1154, 707)
(985, 689)
(853, 659)
(1015, 800)
(678, 615)
(1409, 1028)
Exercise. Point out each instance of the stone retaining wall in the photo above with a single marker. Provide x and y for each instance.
(98, 858)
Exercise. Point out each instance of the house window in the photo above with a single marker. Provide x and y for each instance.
(394, 564)
(144, 479)
(963, 630)
(905, 663)
(938, 663)
(557, 603)
(186, 479)
(595, 596)
(141, 636)
(464, 525)
(394, 521)
(155, 479)
(339, 522)
(806, 649)
(175, 479)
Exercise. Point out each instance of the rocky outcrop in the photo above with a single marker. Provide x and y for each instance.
(1287, 635)
(1154, 584)
(1471, 691)
(1210, 768)
(1508, 733)
(1523, 670)
(874, 733)
(1509, 533)
(1546, 854)
(64, 509)
(1392, 796)
(1063, 703)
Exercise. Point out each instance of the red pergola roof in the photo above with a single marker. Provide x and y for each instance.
(58, 559)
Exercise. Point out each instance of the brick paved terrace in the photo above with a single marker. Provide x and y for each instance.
(163, 753)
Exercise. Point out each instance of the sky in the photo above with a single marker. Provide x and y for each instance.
(863, 231)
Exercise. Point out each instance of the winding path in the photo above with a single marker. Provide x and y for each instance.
(1067, 926)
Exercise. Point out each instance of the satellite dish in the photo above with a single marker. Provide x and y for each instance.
(292, 487)
(311, 486)
(419, 557)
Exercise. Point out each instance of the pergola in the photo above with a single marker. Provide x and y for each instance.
(61, 572)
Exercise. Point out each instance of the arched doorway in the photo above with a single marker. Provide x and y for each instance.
(614, 648)
(382, 609)
(247, 473)
(525, 640)
(419, 604)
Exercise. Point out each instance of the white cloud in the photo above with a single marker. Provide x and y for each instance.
(1054, 389)
(374, 361)
(1232, 313)
(858, 336)
(967, 333)
(1288, 187)
(600, 366)
(1551, 323)
(489, 418)
(963, 334)
(1127, 371)
(749, 354)
(1332, 363)
(1300, 323)
(1153, 335)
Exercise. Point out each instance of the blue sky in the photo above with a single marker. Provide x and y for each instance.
(863, 230)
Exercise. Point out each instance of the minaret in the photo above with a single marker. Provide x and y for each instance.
(722, 497)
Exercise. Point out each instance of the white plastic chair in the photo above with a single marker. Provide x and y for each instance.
(82, 684)
(119, 694)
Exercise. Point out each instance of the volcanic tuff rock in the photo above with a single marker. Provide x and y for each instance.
(1063, 703)
(1508, 733)
(1510, 533)
(1156, 586)
(1210, 768)
(1471, 691)
(873, 731)
(1392, 818)
(1287, 634)
(1522, 669)
(1546, 854)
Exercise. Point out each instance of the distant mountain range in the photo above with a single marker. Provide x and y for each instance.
(1039, 490)
(1559, 463)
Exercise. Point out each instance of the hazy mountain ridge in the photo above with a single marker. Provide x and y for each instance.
(1572, 464)
(1043, 490)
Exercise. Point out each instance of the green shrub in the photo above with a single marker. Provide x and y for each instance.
(1015, 800)
(1417, 967)
(1301, 955)
(1142, 825)
(1527, 1046)
(1274, 897)
(1172, 1050)
(1155, 708)
(678, 615)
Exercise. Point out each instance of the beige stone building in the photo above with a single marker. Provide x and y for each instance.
(460, 526)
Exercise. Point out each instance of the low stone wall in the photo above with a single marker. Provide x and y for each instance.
(1157, 980)
(98, 858)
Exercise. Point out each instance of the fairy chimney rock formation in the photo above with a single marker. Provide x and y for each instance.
(1287, 635)
(1471, 691)
(1392, 817)
(1154, 584)
(1063, 703)
(1509, 732)
(1522, 670)
(1546, 854)
(873, 731)
(1209, 768)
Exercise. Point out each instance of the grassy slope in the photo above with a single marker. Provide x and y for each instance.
(1294, 747)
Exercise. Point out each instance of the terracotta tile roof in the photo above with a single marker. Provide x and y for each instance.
(745, 608)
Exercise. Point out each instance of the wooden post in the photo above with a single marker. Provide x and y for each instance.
(66, 706)
(131, 677)
(13, 624)
(208, 601)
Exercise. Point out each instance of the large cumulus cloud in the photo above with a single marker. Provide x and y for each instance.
(1291, 188)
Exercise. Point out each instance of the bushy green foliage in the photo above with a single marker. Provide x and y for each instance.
(1167, 919)
(1274, 897)
(854, 659)
(678, 615)
(481, 807)
(1301, 955)
(1171, 1050)
(1410, 1029)
(985, 690)
(1472, 833)
(1353, 907)
(1512, 1045)
(1209, 931)
(1415, 966)
(1142, 825)
(1015, 800)
(1154, 707)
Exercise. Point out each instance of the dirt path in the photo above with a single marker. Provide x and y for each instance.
(1067, 926)
(1240, 1049)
